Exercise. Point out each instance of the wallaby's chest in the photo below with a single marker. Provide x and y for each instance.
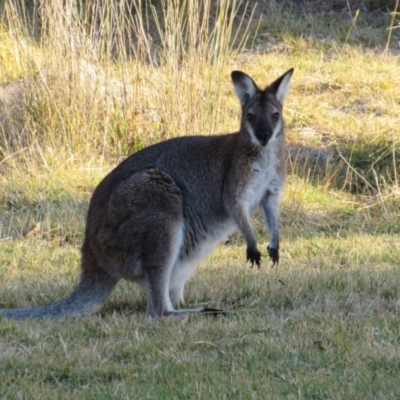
(263, 177)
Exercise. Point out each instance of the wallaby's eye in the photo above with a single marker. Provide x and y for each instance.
(275, 116)
(250, 116)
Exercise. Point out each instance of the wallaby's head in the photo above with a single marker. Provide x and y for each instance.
(261, 109)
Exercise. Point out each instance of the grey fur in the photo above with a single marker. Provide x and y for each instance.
(163, 209)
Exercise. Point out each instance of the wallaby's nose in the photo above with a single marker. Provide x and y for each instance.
(264, 131)
(263, 138)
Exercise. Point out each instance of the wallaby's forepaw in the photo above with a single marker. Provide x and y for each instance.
(273, 255)
(254, 256)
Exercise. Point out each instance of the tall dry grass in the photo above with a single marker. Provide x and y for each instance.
(100, 79)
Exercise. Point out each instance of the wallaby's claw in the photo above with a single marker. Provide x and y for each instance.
(254, 256)
(273, 255)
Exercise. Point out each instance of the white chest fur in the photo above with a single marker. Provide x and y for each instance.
(265, 177)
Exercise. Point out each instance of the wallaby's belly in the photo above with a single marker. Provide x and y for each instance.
(203, 246)
(192, 253)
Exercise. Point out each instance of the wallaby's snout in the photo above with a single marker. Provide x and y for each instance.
(263, 130)
(261, 124)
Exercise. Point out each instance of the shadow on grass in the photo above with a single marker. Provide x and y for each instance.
(366, 166)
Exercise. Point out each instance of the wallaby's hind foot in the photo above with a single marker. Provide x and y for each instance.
(183, 311)
(203, 310)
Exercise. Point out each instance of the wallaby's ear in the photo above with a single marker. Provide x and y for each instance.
(280, 87)
(244, 86)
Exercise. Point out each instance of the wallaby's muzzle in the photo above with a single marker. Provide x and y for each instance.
(263, 131)
(263, 138)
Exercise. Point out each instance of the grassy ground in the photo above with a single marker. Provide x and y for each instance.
(322, 324)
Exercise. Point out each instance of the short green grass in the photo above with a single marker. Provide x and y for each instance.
(324, 323)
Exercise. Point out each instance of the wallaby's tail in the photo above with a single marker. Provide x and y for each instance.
(89, 297)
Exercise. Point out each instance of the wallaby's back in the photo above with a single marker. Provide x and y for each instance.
(198, 165)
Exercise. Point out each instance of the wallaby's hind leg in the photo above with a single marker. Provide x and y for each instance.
(142, 235)
(179, 276)
(160, 254)
(176, 294)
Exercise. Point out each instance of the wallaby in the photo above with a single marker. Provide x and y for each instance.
(163, 209)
